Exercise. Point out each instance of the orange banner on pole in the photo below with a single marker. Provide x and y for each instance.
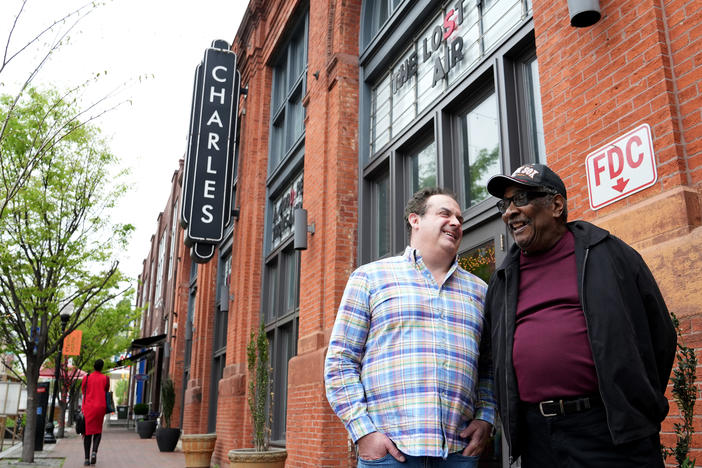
(71, 344)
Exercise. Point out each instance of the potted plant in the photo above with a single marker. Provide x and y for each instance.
(262, 455)
(140, 409)
(198, 449)
(144, 426)
(167, 436)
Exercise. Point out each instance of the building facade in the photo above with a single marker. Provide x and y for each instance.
(351, 107)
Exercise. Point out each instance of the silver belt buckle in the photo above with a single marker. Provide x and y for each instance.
(548, 415)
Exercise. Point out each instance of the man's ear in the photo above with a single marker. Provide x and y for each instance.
(413, 219)
(558, 205)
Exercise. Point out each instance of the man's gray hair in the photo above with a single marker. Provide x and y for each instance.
(552, 193)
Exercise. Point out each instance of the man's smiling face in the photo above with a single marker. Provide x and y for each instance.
(535, 226)
(438, 231)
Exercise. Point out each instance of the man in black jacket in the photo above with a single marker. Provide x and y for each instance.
(582, 341)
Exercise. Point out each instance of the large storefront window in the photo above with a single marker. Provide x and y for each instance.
(452, 103)
(281, 298)
(380, 217)
(281, 276)
(282, 318)
(480, 149)
(281, 315)
(422, 168)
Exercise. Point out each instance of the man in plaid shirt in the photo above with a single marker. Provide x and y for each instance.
(405, 371)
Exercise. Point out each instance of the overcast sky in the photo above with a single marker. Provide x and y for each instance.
(131, 39)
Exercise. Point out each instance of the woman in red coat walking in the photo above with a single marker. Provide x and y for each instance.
(94, 387)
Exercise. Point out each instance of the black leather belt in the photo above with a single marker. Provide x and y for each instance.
(550, 408)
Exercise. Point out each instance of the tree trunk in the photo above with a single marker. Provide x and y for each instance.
(73, 396)
(61, 420)
(31, 420)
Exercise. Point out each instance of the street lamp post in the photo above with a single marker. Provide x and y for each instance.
(49, 434)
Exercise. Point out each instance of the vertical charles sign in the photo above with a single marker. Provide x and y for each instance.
(207, 187)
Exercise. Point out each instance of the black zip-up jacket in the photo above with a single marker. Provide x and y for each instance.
(631, 334)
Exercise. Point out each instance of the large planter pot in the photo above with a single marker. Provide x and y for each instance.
(198, 449)
(146, 429)
(250, 458)
(167, 438)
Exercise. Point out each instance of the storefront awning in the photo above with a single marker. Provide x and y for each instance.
(148, 341)
(133, 358)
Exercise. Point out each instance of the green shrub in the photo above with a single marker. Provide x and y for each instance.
(141, 409)
(684, 394)
(259, 381)
(167, 399)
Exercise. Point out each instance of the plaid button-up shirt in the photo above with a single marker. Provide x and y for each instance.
(404, 356)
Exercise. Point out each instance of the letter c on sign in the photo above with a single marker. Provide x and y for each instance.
(214, 73)
(629, 158)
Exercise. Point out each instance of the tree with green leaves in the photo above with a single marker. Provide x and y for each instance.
(485, 164)
(44, 43)
(57, 242)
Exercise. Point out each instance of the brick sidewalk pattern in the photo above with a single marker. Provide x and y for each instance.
(119, 448)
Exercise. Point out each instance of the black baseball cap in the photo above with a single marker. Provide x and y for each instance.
(528, 176)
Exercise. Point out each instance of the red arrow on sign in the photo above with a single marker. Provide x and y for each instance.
(620, 185)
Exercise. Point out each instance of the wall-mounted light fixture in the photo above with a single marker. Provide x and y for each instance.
(584, 13)
(300, 229)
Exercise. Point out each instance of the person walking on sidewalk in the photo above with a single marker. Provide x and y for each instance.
(94, 387)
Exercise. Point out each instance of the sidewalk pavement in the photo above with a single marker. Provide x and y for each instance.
(119, 448)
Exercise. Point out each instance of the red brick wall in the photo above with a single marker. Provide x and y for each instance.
(233, 421)
(180, 309)
(639, 64)
(315, 436)
(599, 82)
(197, 395)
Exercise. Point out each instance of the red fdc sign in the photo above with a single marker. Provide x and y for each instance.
(621, 168)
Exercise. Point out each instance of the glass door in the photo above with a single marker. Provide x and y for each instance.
(483, 248)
